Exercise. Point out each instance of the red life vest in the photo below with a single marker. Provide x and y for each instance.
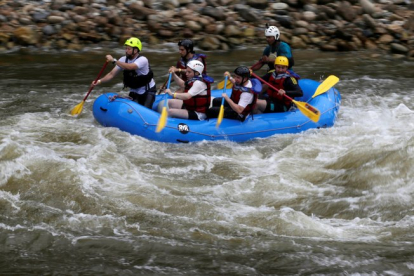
(198, 103)
(182, 64)
(235, 97)
(278, 82)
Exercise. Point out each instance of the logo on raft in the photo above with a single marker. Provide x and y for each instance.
(183, 128)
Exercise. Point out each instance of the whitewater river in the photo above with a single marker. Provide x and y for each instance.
(80, 199)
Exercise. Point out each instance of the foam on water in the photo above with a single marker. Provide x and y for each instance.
(321, 197)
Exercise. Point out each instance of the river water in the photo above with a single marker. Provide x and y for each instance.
(80, 199)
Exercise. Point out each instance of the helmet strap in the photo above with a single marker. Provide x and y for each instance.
(187, 53)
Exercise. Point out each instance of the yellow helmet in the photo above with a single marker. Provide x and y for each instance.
(134, 43)
(281, 60)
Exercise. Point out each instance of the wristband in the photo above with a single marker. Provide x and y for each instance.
(174, 96)
(179, 70)
(114, 61)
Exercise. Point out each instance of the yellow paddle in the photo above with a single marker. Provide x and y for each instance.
(162, 121)
(326, 85)
(307, 110)
(221, 113)
(78, 109)
(221, 85)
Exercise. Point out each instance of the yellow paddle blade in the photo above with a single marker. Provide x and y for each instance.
(326, 85)
(308, 110)
(77, 109)
(163, 120)
(220, 116)
(220, 85)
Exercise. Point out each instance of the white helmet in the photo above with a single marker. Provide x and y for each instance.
(196, 65)
(272, 31)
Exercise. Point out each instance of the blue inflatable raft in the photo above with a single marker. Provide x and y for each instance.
(138, 120)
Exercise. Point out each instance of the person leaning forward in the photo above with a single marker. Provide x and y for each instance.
(138, 75)
(192, 99)
(242, 100)
(285, 83)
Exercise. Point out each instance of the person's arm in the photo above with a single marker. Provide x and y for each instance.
(123, 65)
(107, 77)
(292, 88)
(263, 60)
(198, 87)
(176, 78)
(239, 109)
(230, 78)
(258, 65)
(178, 95)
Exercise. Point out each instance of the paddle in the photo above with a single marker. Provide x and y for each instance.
(221, 113)
(78, 109)
(326, 85)
(307, 110)
(164, 114)
(220, 85)
(163, 86)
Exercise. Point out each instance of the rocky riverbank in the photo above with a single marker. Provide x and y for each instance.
(379, 25)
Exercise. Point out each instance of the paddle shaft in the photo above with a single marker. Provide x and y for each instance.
(224, 90)
(163, 86)
(97, 78)
(168, 87)
(286, 96)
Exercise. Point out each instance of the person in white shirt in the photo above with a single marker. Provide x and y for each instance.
(137, 73)
(192, 99)
(242, 100)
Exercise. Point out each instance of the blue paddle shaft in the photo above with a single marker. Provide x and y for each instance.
(224, 90)
(168, 87)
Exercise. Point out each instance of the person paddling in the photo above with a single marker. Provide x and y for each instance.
(282, 80)
(192, 99)
(243, 97)
(138, 75)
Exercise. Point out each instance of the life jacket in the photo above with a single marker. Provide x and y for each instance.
(277, 80)
(236, 94)
(198, 103)
(182, 64)
(293, 74)
(289, 72)
(134, 81)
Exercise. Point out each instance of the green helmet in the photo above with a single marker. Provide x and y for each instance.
(134, 43)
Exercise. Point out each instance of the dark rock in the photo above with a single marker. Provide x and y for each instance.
(217, 14)
(40, 16)
(48, 30)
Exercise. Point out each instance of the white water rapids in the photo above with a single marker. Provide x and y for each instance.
(81, 199)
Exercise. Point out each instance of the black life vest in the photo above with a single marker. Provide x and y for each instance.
(134, 81)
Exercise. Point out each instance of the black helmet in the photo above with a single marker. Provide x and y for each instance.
(242, 71)
(188, 44)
